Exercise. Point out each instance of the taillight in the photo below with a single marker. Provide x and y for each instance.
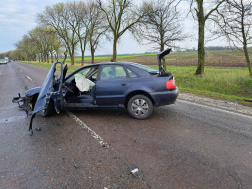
(170, 84)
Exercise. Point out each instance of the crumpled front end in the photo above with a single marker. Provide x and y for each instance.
(27, 103)
(24, 103)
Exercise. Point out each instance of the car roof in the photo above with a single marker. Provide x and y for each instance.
(140, 71)
(115, 63)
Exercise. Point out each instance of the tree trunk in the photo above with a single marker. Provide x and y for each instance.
(72, 56)
(72, 60)
(65, 57)
(82, 58)
(245, 49)
(114, 49)
(247, 57)
(92, 54)
(47, 58)
(51, 57)
(201, 39)
(56, 56)
(247, 60)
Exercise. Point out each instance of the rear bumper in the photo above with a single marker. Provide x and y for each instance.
(165, 98)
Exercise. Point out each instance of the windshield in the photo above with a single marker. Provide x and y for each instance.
(145, 68)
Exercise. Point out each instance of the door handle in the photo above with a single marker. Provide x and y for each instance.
(123, 84)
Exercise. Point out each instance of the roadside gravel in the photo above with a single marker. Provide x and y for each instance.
(223, 104)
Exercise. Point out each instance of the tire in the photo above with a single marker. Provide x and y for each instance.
(140, 107)
(48, 111)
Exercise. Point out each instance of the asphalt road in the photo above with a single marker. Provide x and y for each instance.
(184, 145)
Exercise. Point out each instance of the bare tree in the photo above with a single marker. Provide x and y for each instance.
(121, 16)
(198, 6)
(78, 22)
(59, 17)
(234, 21)
(96, 27)
(162, 25)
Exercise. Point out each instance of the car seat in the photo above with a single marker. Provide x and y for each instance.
(87, 98)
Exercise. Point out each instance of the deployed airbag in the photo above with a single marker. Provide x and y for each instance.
(82, 83)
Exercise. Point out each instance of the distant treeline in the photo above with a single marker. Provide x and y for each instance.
(218, 48)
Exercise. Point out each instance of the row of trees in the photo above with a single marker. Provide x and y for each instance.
(80, 24)
(64, 27)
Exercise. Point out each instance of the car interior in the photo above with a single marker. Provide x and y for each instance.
(73, 94)
(81, 87)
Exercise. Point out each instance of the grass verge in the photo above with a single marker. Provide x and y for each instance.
(233, 84)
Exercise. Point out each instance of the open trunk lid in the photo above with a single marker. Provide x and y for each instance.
(160, 55)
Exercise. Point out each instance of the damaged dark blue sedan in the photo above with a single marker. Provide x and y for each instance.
(132, 86)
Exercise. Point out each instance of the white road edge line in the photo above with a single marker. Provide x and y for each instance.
(213, 108)
(92, 133)
(29, 77)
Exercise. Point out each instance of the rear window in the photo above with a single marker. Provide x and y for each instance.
(145, 68)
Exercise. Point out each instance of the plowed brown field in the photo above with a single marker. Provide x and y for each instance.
(228, 58)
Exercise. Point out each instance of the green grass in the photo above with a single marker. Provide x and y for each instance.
(49, 65)
(233, 84)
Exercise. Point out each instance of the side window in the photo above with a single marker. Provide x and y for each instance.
(131, 74)
(87, 72)
(120, 73)
(112, 72)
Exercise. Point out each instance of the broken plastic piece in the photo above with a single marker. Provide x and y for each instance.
(135, 170)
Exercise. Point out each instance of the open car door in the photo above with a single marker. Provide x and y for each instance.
(49, 90)
(51, 86)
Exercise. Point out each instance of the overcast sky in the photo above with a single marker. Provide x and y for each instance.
(17, 17)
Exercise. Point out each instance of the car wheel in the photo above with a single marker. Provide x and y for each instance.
(140, 107)
(48, 111)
